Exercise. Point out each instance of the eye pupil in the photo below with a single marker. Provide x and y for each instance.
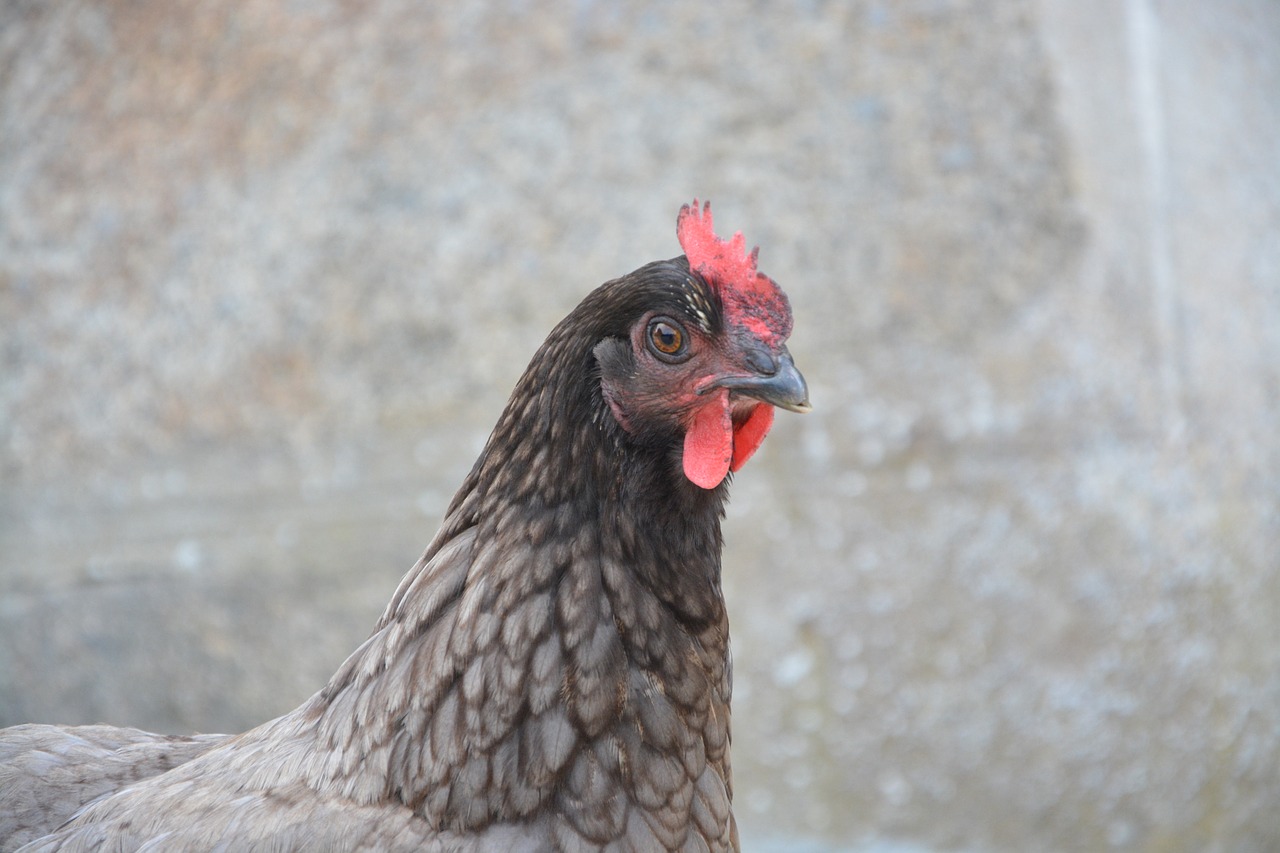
(666, 338)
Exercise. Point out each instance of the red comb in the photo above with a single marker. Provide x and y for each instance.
(751, 299)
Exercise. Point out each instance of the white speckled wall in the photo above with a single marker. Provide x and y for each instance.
(268, 272)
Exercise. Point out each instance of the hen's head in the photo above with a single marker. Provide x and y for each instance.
(703, 354)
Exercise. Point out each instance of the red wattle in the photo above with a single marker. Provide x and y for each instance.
(747, 438)
(708, 445)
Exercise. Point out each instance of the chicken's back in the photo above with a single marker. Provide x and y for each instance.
(47, 773)
(231, 797)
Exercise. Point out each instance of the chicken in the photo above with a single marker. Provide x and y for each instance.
(553, 673)
(48, 772)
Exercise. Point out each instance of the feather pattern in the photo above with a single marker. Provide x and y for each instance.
(553, 673)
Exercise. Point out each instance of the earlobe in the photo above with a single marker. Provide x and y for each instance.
(617, 365)
(615, 359)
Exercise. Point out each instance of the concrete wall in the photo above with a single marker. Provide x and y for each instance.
(268, 272)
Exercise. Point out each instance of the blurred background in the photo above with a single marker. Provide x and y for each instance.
(268, 272)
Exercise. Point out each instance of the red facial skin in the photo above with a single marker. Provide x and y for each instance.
(722, 429)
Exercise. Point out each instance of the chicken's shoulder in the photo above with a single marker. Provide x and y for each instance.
(48, 772)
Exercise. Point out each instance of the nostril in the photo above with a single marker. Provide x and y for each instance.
(762, 362)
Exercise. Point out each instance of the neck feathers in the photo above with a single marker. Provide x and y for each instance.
(562, 640)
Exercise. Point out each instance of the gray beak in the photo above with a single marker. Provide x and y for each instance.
(778, 384)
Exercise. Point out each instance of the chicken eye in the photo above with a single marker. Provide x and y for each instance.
(666, 338)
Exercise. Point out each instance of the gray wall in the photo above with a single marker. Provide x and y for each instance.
(268, 272)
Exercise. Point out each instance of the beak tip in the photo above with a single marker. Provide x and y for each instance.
(800, 407)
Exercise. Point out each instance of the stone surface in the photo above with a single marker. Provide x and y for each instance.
(268, 272)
